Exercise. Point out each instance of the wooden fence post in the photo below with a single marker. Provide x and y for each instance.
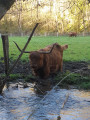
(6, 56)
(5, 42)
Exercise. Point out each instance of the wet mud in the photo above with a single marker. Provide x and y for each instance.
(24, 67)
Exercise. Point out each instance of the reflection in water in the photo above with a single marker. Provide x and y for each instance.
(42, 87)
(19, 103)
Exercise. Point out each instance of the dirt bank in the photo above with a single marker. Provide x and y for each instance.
(24, 67)
(81, 80)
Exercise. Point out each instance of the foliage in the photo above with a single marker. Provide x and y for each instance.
(53, 16)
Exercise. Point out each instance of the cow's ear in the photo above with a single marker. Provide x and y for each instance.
(64, 47)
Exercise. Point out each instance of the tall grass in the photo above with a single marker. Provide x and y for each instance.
(78, 47)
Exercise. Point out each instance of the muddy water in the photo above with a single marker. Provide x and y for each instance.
(19, 103)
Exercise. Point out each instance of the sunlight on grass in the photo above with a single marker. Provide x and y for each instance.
(78, 50)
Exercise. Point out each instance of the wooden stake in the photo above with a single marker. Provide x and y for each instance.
(6, 51)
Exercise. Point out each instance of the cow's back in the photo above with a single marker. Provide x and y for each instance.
(54, 59)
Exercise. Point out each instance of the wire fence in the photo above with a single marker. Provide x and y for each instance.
(51, 92)
(18, 16)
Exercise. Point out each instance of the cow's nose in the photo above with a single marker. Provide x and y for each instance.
(34, 66)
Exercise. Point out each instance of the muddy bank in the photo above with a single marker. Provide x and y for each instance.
(80, 79)
(24, 67)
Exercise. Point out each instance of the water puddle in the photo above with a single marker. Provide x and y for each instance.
(19, 103)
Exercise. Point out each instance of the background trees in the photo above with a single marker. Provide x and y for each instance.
(54, 16)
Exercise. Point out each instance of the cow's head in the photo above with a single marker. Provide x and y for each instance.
(36, 60)
(60, 47)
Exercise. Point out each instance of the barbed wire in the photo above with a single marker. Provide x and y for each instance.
(31, 9)
(48, 93)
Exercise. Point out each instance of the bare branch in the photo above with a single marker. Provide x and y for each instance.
(23, 49)
(45, 52)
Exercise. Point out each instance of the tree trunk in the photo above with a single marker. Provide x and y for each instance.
(5, 6)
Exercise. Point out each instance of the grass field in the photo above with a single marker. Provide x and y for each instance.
(79, 47)
(78, 50)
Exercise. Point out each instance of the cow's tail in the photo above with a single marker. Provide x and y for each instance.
(64, 47)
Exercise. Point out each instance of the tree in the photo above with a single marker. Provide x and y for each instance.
(55, 16)
(5, 6)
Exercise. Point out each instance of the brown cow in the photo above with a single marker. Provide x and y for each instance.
(72, 34)
(47, 60)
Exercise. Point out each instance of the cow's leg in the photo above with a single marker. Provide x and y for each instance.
(61, 65)
(46, 71)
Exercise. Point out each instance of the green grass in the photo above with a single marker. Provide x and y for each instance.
(80, 81)
(76, 80)
(78, 50)
(79, 47)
